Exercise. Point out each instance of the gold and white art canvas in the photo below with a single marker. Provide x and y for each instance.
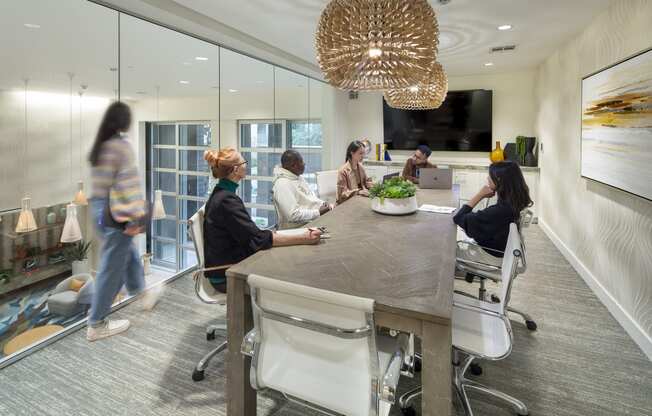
(617, 126)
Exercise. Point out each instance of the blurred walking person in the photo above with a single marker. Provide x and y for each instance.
(119, 213)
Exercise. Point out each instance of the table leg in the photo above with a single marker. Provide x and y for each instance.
(241, 398)
(436, 369)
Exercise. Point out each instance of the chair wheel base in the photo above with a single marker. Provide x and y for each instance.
(210, 336)
(475, 369)
(409, 411)
(532, 326)
(197, 375)
(495, 299)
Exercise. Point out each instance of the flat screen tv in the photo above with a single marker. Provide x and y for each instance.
(462, 123)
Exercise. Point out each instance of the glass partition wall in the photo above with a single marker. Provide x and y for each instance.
(71, 59)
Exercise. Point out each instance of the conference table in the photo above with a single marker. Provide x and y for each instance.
(404, 263)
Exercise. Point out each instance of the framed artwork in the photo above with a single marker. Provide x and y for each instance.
(616, 146)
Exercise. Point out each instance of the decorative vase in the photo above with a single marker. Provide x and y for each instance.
(530, 159)
(497, 154)
(391, 206)
(51, 217)
(79, 267)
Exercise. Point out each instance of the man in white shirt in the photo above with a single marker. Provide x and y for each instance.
(295, 202)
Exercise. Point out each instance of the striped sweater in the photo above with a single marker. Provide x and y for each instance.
(116, 177)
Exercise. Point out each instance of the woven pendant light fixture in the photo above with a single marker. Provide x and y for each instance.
(426, 95)
(376, 44)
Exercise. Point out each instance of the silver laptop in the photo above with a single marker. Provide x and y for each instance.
(390, 176)
(431, 178)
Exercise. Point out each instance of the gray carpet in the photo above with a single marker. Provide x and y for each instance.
(579, 362)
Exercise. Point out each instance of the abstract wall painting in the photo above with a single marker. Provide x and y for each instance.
(617, 125)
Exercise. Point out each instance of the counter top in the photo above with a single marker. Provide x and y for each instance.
(453, 165)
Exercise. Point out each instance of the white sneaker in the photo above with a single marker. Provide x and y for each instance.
(109, 328)
(152, 296)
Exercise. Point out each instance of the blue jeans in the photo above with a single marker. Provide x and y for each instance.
(119, 265)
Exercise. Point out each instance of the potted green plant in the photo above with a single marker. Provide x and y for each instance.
(395, 196)
(77, 253)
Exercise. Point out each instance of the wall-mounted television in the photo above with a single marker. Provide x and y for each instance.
(462, 123)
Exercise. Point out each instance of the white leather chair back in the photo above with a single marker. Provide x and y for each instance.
(513, 251)
(327, 185)
(309, 364)
(205, 291)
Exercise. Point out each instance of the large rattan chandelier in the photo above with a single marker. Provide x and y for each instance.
(426, 95)
(376, 44)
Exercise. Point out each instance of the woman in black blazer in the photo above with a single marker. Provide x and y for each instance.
(490, 226)
(230, 235)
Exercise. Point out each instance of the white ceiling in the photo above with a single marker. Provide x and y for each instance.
(468, 28)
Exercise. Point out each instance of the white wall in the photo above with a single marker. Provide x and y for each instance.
(605, 233)
(514, 110)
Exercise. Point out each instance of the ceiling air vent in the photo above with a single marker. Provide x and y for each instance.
(505, 48)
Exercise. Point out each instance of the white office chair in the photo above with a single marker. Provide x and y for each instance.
(481, 330)
(320, 349)
(327, 185)
(204, 290)
(474, 263)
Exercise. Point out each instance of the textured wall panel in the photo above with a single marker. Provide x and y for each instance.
(609, 231)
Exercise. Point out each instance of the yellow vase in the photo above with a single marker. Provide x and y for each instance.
(497, 155)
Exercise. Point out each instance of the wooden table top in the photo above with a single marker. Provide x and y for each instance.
(405, 263)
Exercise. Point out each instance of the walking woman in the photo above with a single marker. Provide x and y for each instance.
(118, 211)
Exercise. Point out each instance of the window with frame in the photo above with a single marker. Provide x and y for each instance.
(261, 143)
(177, 167)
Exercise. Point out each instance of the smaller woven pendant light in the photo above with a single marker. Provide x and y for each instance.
(427, 95)
(376, 44)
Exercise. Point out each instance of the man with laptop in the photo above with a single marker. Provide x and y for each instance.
(418, 161)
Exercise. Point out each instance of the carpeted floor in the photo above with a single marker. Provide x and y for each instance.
(579, 362)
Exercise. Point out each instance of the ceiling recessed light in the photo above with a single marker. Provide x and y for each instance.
(201, 58)
(187, 63)
(32, 26)
(184, 82)
(260, 82)
(504, 27)
(141, 92)
(489, 64)
(232, 90)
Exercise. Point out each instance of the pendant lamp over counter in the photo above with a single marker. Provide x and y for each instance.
(71, 231)
(376, 44)
(426, 95)
(26, 221)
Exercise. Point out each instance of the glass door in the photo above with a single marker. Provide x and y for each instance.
(179, 170)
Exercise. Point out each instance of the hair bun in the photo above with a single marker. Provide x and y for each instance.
(212, 157)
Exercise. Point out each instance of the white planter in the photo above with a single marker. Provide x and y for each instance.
(79, 267)
(395, 206)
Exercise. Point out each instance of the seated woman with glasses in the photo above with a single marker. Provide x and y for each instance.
(230, 235)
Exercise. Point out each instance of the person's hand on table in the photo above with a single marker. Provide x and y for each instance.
(312, 236)
(363, 192)
(325, 208)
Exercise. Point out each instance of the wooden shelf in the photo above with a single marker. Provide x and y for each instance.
(42, 273)
(13, 235)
